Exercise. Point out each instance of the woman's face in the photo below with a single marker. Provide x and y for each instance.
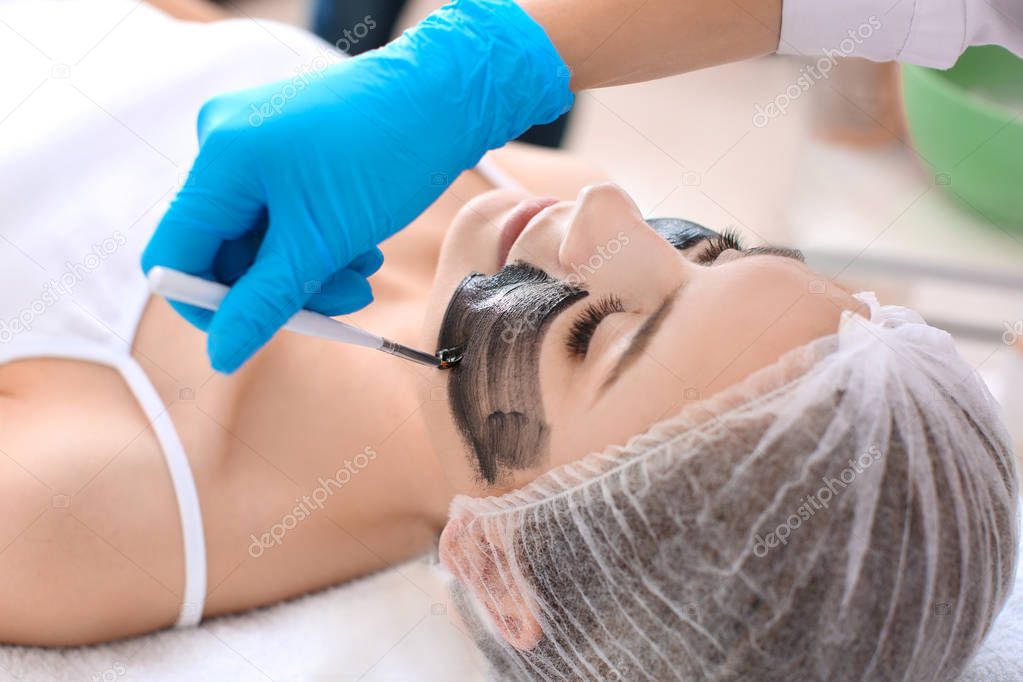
(580, 325)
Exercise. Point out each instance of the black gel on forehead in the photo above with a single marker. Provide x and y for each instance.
(681, 233)
(496, 324)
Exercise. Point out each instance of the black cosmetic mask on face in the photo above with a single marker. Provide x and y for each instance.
(493, 326)
(496, 323)
(681, 233)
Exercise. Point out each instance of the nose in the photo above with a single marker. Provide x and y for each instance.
(599, 239)
(603, 225)
(609, 245)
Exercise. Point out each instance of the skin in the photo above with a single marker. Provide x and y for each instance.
(725, 321)
(90, 547)
(91, 544)
(597, 38)
(495, 323)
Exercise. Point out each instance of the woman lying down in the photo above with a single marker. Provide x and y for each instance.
(663, 455)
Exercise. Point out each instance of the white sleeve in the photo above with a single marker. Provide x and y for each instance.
(926, 32)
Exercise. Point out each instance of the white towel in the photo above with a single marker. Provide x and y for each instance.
(1000, 658)
(396, 626)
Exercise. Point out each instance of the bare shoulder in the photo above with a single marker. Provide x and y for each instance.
(90, 536)
(546, 171)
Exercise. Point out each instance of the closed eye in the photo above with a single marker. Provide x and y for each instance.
(727, 240)
(585, 326)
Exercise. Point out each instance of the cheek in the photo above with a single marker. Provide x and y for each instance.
(643, 396)
(572, 432)
(583, 436)
(592, 431)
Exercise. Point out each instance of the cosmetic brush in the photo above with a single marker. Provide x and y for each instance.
(202, 293)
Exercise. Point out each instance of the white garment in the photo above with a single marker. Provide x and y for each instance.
(926, 32)
(97, 130)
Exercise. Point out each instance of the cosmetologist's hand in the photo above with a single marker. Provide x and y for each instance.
(297, 182)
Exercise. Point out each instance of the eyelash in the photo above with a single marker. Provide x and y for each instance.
(585, 326)
(729, 239)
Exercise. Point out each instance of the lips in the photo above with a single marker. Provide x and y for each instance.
(517, 221)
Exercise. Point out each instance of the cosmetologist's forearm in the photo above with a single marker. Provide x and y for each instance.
(613, 42)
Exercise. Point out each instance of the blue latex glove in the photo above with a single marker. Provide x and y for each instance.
(298, 181)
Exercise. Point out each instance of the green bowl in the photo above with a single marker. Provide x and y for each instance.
(967, 125)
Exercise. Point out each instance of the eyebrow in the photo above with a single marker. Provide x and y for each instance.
(768, 250)
(641, 339)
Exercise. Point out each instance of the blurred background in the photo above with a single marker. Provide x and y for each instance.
(905, 181)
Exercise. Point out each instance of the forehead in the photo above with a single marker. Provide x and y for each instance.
(743, 315)
(725, 324)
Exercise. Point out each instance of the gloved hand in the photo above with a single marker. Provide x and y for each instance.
(297, 182)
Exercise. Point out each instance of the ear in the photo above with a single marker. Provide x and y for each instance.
(483, 569)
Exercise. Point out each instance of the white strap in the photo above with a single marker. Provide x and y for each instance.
(190, 513)
(193, 537)
(493, 174)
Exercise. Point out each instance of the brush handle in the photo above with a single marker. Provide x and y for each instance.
(202, 293)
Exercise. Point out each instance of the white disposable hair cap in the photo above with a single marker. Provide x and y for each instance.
(847, 513)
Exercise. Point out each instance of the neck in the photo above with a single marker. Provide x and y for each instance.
(418, 490)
